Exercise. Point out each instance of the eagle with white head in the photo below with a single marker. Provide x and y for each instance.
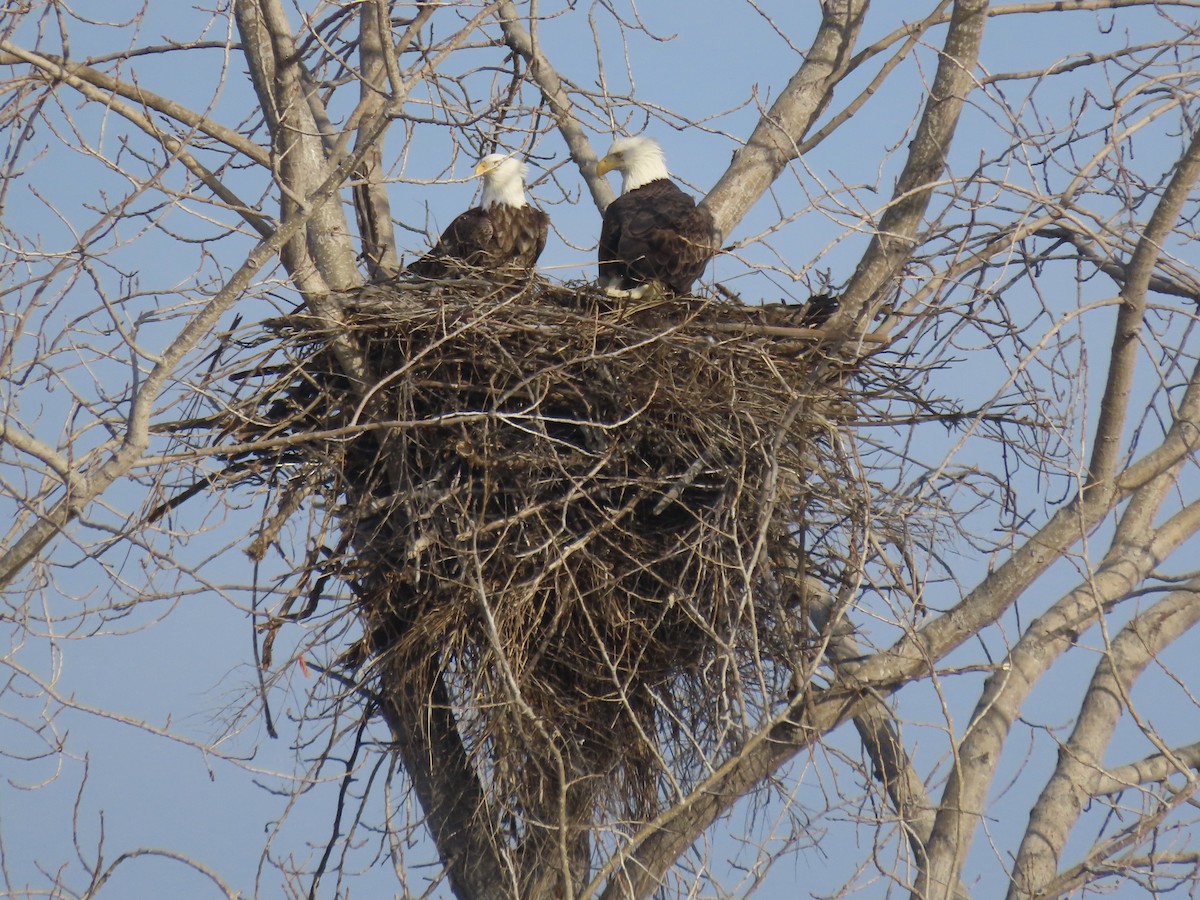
(654, 233)
(503, 234)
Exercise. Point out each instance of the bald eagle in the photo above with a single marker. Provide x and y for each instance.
(653, 232)
(503, 234)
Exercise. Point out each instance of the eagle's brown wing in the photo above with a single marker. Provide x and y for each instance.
(520, 236)
(497, 239)
(655, 233)
(463, 245)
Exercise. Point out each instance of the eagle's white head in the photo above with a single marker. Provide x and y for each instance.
(638, 159)
(503, 180)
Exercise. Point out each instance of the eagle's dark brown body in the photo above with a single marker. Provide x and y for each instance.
(498, 238)
(655, 233)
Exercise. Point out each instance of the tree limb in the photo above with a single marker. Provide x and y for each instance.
(555, 94)
(92, 483)
(1118, 272)
(320, 258)
(70, 73)
(372, 207)
(1080, 761)
(913, 35)
(1153, 769)
(1132, 556)
(639, 867)
(776, 138)
(894, 238)
(170, 142)
(1123, 360)
(876, 726)
(428, 744)
(1102, 861)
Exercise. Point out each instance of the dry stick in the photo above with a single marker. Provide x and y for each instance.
(260, 55)
(91, 484)
(1009, 238)
(915, 32)
(512, 689)
(807, 719)
(55, 461)
(99, 879)
(996, 593)
(938, 17)
(796, 332)
(1162, 284)
(426, 730)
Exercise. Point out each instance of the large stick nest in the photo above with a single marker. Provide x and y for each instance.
(592, 517)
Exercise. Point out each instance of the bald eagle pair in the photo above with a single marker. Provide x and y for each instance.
(654, 233)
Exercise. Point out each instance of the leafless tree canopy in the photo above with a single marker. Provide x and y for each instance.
(514, 590)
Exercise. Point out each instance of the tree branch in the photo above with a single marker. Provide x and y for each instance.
(776, 138)
(136, 438)
(320, 258)
(639, 867)
(1128, 562)
(913, 35)
(877, 729)
(1080, 762)
(1123, 360)
(101, 878)
(1154, 769)
(892, 767)
(1102, 861)
(428, 744)
(170, 142)
(894, 239)
(555, 94)
(1118, 272)
(71, 73)
(57, 463)
(372, 207)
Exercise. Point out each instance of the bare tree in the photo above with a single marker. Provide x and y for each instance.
(957, 518)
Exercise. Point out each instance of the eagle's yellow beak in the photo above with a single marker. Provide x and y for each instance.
(607, 164)
(483, 167)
